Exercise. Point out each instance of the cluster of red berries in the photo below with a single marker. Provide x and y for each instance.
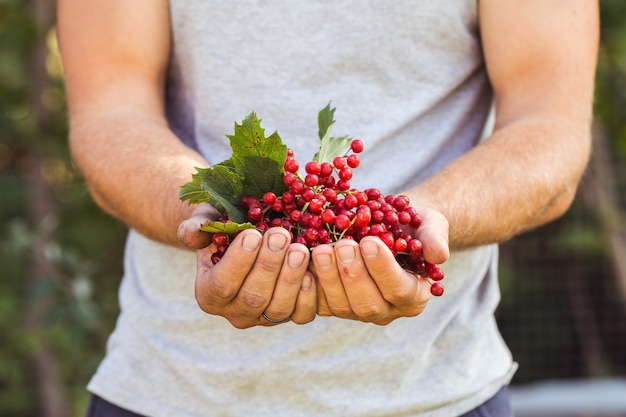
(322, 208)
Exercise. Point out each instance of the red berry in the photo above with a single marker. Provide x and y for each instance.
(339, 162)
(416, 220)
(330, 194)
(400, 202)
(291, 165)
(414, 246)
(345, 174)
(350, 201)
(377, 216)
(342, 222)
(404, 218)
(326, 169)
(297, 186)
(329, 182)
(278, 206)
(356, 146)
(387, 239)
(215, 258)
(220, 239)
(434, 271)
(288, 197)
(248, 201)
(289, 178)
(373, 193)
(313, 167)
(343, 185)
(328, 216)
(377, 229)
(436, 289)
(269, 198)
(315, 222)
(363, 217)
(308, 194)
(361, 198)
(399, 245)
(311, 235)
(391, 218)
(316, 205)
(311, 180)
(295, 216)
(255, 214)
(353, 161)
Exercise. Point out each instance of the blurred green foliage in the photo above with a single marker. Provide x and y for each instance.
(74, 299)
(562, 312)
(74, 302)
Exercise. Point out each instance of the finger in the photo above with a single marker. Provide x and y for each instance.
(325, 265)
(434, 235)
(407, 292)
(306, 303)
(189, 233)
(363, 294)
(217, 286)
(289, 283)
(322, 305)
(256, 290)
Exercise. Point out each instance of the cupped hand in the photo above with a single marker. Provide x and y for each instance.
(258, 274)
(363, 281)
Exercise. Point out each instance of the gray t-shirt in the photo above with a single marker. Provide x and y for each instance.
(408, 78)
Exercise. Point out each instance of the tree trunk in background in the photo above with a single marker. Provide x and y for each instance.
(600, 192)
(41, 208)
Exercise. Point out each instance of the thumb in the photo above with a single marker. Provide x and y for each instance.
(189, 233)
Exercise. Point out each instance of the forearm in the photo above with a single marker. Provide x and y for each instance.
(523, 176)
(134, 166)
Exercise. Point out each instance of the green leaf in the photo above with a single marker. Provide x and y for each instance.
(325, 120)
(224, 186)
(330, 147)
(230, 228)
(257, 158)
(193, 191)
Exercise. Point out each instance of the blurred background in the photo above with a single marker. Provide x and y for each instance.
(563, 310)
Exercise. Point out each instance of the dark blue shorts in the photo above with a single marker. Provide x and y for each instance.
(497, 406)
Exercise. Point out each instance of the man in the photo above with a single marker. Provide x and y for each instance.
(154, 86)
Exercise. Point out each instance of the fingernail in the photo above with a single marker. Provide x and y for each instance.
(295, 259)
(346, 254)
(307, 282)
(323, 261)
(276, 241)
(369, 249)
(251, 242)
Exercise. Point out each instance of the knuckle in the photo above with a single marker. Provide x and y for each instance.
(342, 311)
(370, 312)
(384, 321)
(400, 296)
(292, 280)
(219, 292)
(252, 300)
(280, 313)
(303, 319)
(240, 323)
(267, 266)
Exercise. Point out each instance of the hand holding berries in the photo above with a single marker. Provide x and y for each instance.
(368, 250)
(363, 281)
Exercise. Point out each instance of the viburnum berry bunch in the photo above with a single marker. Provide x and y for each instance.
(318, 206)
